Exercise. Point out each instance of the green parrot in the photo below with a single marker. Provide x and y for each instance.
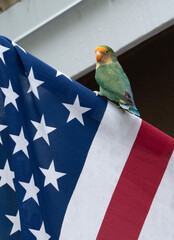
(114, 83)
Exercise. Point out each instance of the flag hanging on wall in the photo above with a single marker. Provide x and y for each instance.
(74, 166)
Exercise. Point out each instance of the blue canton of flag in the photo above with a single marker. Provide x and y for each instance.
(47, 125)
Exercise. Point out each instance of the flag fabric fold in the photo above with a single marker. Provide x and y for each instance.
(74, 166)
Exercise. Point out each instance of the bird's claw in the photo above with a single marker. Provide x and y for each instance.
(97, 93)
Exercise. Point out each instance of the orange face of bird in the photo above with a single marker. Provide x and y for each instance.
(100, 51)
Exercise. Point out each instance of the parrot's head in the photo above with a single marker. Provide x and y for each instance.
(105, 55)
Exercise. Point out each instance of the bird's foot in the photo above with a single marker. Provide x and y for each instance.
(119, 106)
(97, 93)
(122, 110)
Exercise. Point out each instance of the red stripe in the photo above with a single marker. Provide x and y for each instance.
(137, 185)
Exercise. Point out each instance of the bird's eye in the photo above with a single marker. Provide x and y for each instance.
(106, 51)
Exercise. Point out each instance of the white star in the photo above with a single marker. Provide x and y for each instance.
(10, 95)
(41, 233)
(14, 45)
(31, 190)
(2, 127)
(34, 83)
(76, 111)
(42, 130)
(21, 143)
(51, 175)
(2, 51)
(60, 73)
(16, 223)
(7, 176)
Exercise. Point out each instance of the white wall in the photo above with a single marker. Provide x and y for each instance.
(28, 15)
(68, 41)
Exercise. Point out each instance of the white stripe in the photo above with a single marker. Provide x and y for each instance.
(159, 222)
(104, 164)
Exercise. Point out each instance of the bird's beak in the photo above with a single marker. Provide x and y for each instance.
(99, 56)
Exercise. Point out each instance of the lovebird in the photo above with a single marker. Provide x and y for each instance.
(112, 80)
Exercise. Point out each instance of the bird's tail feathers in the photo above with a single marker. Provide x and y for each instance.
(130, 108)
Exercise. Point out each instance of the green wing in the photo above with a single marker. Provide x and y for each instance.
(111, 77)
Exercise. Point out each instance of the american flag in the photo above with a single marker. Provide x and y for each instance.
(72, 165)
